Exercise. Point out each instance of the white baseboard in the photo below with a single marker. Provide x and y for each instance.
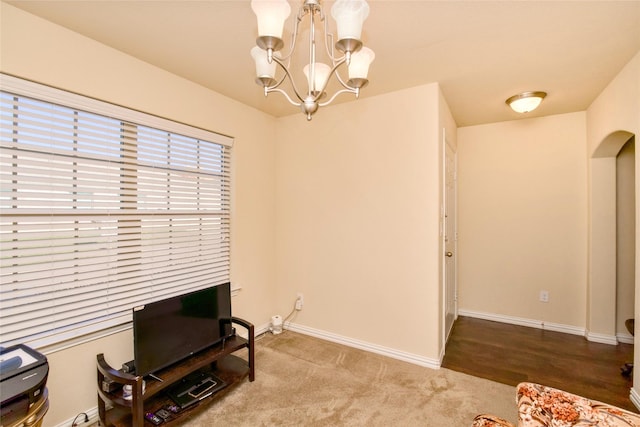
(539, 324)
(257, 330)
(635, 397)
(362, 345)
(262, 329)
(602, 338)
(520, 321)
(92, 415)
(625, 338)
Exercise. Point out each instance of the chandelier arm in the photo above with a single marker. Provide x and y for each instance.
(345, 85)
(356, 91)
(286, 95)
(294, 36)
(293, 83)
(321, 10)
(328, 43)
(312, 52)
(272, 88)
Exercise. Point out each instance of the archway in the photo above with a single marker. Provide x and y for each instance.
(603, 239)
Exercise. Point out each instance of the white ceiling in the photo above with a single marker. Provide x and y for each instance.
(481, 52)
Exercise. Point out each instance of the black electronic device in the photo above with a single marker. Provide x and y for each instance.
(129, 367)
(164, 414)
(153, 418)
(194, 388)
(110, 386)
(23, 376)
(175, 328)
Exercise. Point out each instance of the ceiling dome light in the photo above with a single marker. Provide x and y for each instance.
(525, 102)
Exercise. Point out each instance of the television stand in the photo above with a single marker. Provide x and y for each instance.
(115, 410)
(156, 378)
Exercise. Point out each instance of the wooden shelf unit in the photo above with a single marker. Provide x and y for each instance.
(225, 365)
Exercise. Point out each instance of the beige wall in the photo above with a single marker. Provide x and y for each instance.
(37, 50)
(612, 119)
(346, 208)
(541, 173)
(357, 222)
(617, 108)
(522, 219)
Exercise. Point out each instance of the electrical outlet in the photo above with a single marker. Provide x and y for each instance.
(299, 301)
(544, 296)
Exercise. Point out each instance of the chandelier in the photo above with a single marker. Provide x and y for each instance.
(349, 16)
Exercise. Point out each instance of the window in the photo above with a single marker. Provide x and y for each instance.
(102, 209)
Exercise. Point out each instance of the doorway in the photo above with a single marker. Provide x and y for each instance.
(625, 238)
(450, 239)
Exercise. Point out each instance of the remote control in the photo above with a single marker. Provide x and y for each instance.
(163, 413)
(172, 408)
(150, 416)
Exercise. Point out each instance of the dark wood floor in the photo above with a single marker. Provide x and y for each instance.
(511, 354)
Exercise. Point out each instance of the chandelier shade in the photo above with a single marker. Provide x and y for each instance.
(317, 77)
(271, 16)
(349, 17)
(360, 61)
(345, 52)
(264, 69)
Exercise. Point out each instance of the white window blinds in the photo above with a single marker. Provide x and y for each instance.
(100, 213)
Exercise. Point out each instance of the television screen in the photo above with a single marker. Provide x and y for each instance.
(167, 331)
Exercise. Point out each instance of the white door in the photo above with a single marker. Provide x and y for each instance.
(450, 239)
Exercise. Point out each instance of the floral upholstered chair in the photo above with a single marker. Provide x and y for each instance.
(539, 405)
(487, 420)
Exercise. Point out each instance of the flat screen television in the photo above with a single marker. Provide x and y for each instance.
(167, 331)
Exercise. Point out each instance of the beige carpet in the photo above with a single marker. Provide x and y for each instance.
(305, 381)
